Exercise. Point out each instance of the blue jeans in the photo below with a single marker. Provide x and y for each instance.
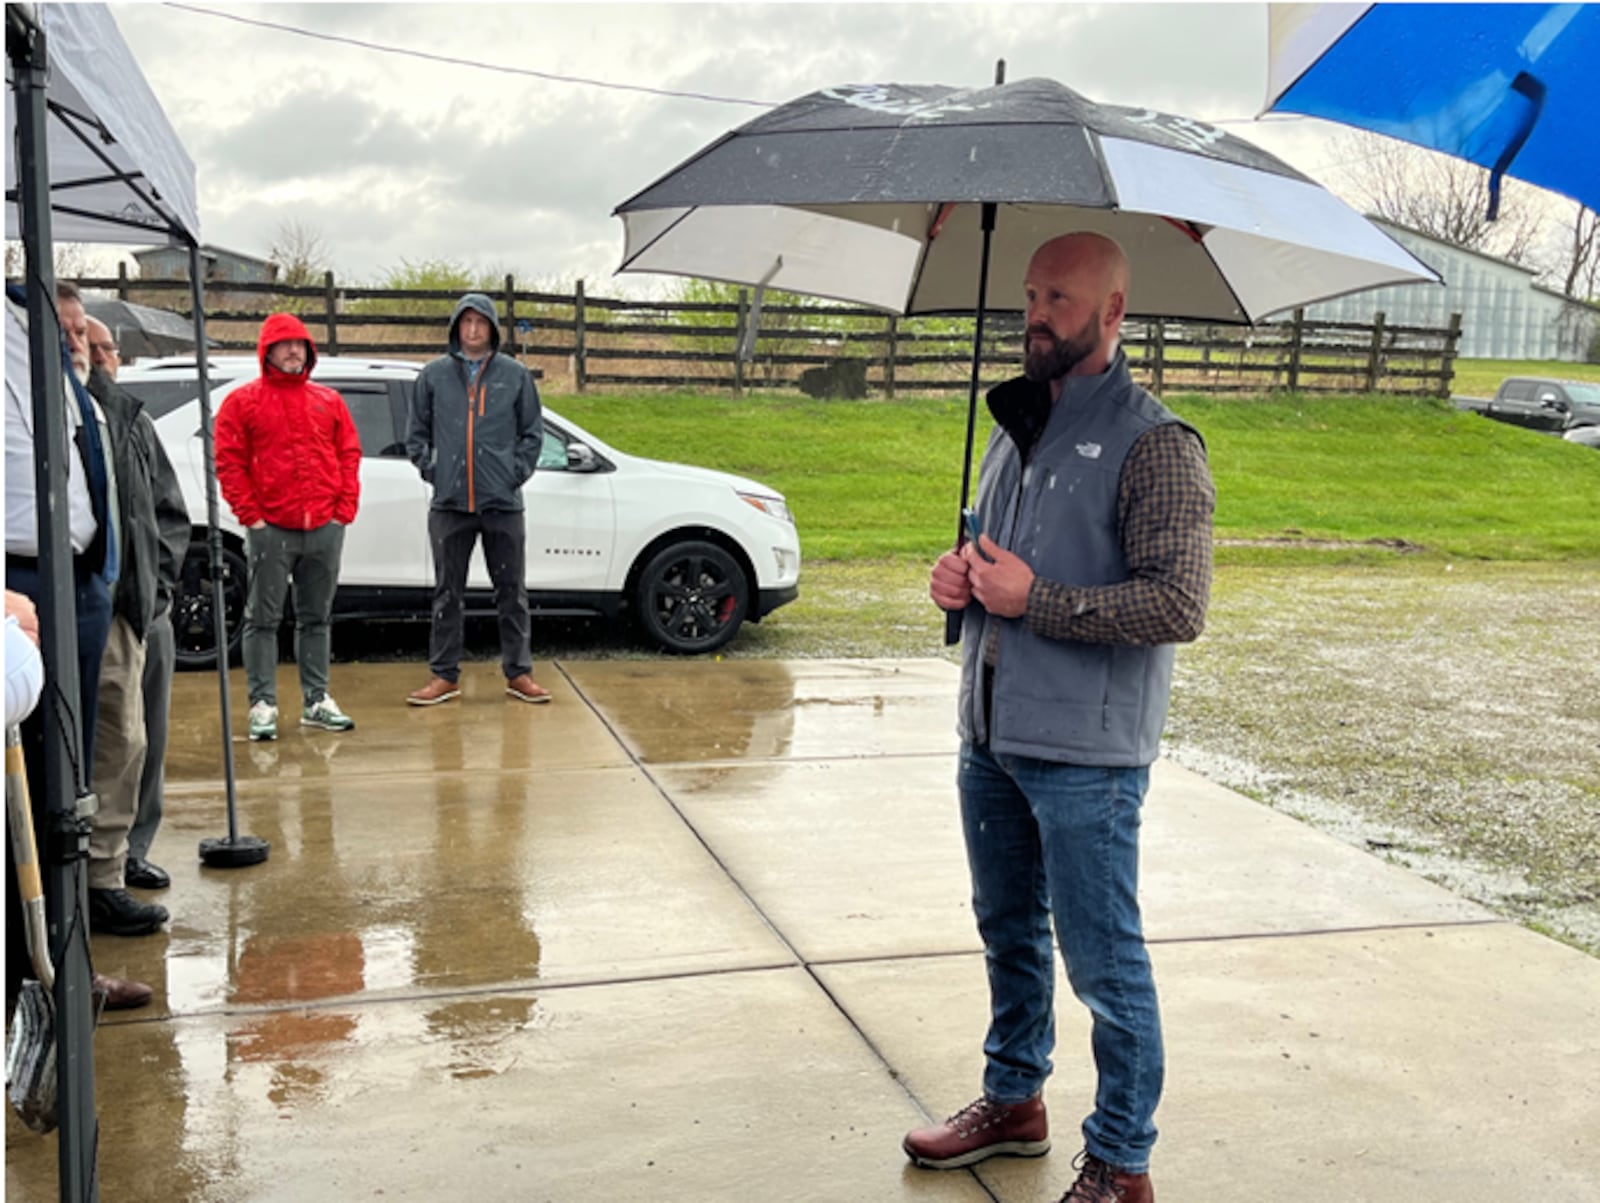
(1046, 838)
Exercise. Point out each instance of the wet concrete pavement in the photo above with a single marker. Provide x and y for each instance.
(699, 931)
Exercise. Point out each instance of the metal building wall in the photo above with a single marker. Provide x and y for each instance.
(1503, 316)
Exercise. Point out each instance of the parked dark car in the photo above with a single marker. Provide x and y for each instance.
(1543, 404)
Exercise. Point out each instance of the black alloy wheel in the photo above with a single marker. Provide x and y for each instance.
(193, 626)
(691, 597)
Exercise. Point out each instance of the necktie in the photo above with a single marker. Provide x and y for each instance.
(102, 552)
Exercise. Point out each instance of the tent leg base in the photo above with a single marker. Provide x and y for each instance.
(233, 852)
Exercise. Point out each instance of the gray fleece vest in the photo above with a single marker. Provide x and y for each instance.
(1063, 700)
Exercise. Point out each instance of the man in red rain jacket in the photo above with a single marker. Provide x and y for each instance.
(288, 462)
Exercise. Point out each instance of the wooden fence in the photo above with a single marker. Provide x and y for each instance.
(581, 342)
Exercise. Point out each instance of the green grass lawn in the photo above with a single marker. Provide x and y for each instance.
(1427, 699)
(1480, 377)
(875, 479)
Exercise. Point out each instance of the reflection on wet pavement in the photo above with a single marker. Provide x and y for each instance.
(761, 710)
(695, 931)
(427, 869)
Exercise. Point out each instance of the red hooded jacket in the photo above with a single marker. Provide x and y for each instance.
(286, 448)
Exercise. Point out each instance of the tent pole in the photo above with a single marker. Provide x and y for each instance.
(219, 618)
(235, 851)
(66, 842)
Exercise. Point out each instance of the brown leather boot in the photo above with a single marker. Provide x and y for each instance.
(435, 691)
(120, 994)
(1101, 1183)
(981, 1129)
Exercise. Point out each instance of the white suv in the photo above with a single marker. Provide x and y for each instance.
(688, 553)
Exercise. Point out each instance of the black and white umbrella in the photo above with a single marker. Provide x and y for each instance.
(876, 194)
(920, 200)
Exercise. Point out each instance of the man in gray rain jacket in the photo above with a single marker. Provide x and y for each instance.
(475, 431)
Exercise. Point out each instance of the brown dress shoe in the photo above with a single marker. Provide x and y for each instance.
(435, 691)
(1100, 1183)
(120, 994)
(981, 1129)
(526, 689)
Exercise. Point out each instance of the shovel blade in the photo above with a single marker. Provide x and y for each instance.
(31, 1058)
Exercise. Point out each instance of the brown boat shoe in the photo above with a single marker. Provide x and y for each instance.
(526, 689)
(435, 691)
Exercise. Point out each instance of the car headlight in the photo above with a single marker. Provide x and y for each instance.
(773, 506)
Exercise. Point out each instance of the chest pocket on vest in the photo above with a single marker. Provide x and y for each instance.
(1063, 528)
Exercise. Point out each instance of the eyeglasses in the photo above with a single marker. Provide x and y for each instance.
(105, 348)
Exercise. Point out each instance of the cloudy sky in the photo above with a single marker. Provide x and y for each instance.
(390, 157)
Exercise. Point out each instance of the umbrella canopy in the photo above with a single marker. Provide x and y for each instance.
(1509, 87)
(139, 330)
(875, 193)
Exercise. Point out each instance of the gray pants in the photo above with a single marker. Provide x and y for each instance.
(159, 662)
(310, 559)
(505, 537)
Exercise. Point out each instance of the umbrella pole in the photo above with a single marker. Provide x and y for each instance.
(952, 619)
(235, 851)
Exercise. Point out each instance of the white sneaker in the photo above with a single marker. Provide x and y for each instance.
(263, 721)
(327, 715)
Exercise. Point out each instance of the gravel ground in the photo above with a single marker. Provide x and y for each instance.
(1443, 715)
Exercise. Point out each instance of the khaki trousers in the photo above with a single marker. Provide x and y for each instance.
(119, 747)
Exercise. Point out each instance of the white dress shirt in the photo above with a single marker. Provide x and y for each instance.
(22, 513)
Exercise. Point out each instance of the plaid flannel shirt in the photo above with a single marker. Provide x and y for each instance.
(1164, 505)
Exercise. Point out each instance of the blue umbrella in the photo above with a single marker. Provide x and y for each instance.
(1509, 87)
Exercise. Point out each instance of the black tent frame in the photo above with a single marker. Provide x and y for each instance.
(68, 803)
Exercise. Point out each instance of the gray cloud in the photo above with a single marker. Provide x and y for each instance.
(401, 158)
(311, 132)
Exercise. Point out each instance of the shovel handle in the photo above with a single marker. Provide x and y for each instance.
(25, 851)
(19, 812)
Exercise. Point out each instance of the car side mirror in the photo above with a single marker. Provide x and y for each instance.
(581, 458)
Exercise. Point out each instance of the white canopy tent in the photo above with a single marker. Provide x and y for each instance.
(91, 157)
(118, 172)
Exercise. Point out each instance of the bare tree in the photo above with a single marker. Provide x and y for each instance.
(1438, 195)
(70, 260)
(300, 253)
(1583, 255)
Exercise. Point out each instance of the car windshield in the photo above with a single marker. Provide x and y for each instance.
(1584, 394)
